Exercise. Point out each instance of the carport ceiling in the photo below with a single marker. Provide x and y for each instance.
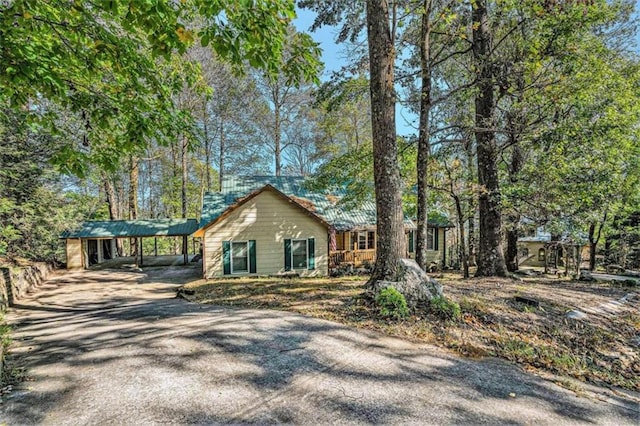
(134, 228)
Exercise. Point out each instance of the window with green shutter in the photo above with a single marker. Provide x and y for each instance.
(299, 254)
(239, 257)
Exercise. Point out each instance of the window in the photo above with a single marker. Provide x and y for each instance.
(239, 257)
(431, 239)
(371, 240)
(411, 241)
(541, 255)
(299, 254)
(362, 240)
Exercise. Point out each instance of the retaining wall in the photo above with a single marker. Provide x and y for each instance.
(15, 284)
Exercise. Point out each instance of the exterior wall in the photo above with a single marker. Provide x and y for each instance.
(433, 256)
(269, 220)
(532, 247)
(74, 254)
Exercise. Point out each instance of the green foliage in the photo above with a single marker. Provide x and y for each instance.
(392, 304)
(115, 66)
(445, 308)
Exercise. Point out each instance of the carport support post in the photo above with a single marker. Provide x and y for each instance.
(140, 250)
(185, 249)
(155, 246)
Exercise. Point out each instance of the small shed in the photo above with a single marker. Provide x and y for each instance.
(95, 241)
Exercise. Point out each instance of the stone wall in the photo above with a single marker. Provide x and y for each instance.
(16, 283)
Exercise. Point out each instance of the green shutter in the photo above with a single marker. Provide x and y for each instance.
(436, 231)
(287, 255)
(311, 264)
(252, 256)
(226, 257)
(411, 242)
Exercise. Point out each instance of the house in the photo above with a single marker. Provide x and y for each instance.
(539, 249)
(268, 225)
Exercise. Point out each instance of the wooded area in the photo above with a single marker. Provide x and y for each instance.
(528, 115)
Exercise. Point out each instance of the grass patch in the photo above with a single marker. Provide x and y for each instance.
(478, 318)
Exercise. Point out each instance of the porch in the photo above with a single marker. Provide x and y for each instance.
(356, 258)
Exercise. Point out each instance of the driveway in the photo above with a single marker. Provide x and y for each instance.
(115, 347)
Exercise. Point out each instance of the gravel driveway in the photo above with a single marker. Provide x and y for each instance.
(115, 347)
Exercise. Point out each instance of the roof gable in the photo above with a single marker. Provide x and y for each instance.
(218, 209)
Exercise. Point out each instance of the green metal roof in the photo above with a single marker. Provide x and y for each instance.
(134, 228)
(324, 204)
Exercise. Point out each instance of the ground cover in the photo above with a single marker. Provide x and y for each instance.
(601, 346)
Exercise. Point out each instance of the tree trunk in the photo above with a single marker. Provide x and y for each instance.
(133, 199)
(185, 175)
(207, 148)
(424, 145)
(594, 239)
(112, 201)
(490, 256)
(512, 250)
(277, 140)
(517, 161)
(463, 245)
(391, 245)
(222, 153)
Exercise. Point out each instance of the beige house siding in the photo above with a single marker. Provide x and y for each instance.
(532, 248)
(74, 254)
(434, 256)
(268, 219)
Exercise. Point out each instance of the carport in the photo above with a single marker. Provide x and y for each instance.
(95, 241)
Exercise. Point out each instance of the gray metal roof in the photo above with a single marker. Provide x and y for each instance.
(324, 205)
(134, 228)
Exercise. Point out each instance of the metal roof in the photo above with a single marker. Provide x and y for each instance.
(324, 205)
(134, 228)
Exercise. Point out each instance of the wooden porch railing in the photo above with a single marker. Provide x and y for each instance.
(352, 257)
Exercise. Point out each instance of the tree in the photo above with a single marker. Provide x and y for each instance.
(391, 245)
(110, 62)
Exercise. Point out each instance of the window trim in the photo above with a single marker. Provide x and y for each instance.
(362, 234)
(306, 257)
(246, 243)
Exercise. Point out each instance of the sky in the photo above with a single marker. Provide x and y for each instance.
(334, 59)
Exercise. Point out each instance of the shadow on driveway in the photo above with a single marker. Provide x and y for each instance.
(114, 347)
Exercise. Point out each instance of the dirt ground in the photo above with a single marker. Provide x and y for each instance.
(586, 331)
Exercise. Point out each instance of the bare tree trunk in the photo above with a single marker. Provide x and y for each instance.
(185, 175)
(391, 245)
(472, 240)
(110, 191)
(112, 201)
(517, 161)
(424, 145)
(490, 256)
(277, 140)
(463, 248)
(207, 148)
(223, 151)
(133, 199)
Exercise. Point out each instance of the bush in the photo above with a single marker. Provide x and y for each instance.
(392, 304)
(445, 308)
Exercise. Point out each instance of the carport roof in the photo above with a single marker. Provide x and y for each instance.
(134, 228)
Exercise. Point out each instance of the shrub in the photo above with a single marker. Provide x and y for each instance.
(392, 304)
(445, 308)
